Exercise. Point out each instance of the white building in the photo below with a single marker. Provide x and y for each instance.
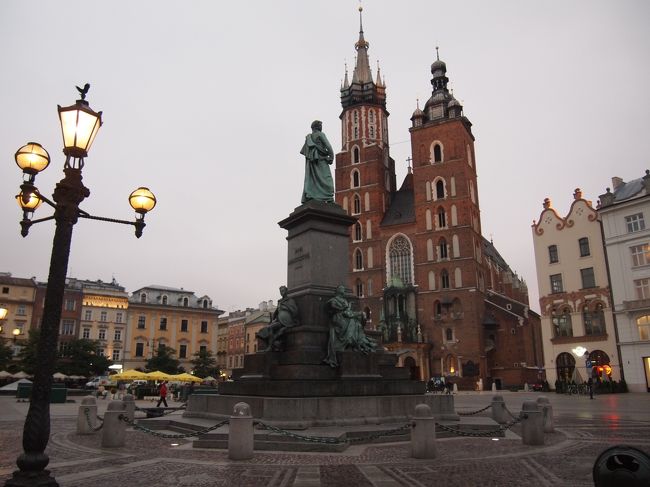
(576, 309)
(627, 240)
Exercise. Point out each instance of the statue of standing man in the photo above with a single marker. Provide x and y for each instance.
(318, 157)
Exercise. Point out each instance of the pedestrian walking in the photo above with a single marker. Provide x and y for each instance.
(590, 386)
(163, 394)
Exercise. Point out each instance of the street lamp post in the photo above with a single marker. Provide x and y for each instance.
(79, 125)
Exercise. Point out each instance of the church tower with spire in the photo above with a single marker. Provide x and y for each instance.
(441, 295)
(365, 172)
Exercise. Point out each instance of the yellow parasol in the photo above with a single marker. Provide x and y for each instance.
(185, 377)
(158, 375)
(130, 374)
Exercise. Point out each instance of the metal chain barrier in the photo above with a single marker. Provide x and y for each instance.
(164, 413)
(475, 412)
(144, 429)
(509, 413)
(374, 436)
(87, 414)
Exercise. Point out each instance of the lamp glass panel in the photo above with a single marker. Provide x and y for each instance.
(142, 199)
(31, 204)
(3, 312)
(86, 130)
(32, 157)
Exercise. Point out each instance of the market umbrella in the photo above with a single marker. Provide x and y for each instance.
(158, 375)
(4, 374)
(130, 374)
(185, 377)
(209, 379)
(20, 375)
(59, 375)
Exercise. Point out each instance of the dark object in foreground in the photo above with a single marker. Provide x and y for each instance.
(622, 465)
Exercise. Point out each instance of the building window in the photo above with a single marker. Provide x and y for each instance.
(357, 232)
(186, 302)
(139, 349)
(356, 205)
(118, 335)
(587, 276)
(102, 316)
(583, 244)
(437, 153)
(556, 284)
(642, 288)
(358, 260)
(356, 158)
(449, 335)
(182, 351)
(70, 304)
(163, 323)
(204, 327)
(203, 348)
(102, 334)
(552, 254)
(442, 219)
(400, 259)
(88, 315)
(85, 333)
(118, 317)
(643, 324)
(442, 246)
(205, 304)
(67, 327)
(359, 288)
(356, 179)
(594, 321)
(562, 325)
(183, 325)
(565, 365)
(143, 298)
(640, 255)
(635, 223)
(444, 279)
(141, 322)
(5, 290)
(164, 299)
(116, 355)
(21, 310)
(440, 189)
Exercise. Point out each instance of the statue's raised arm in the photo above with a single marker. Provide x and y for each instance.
(318, 156)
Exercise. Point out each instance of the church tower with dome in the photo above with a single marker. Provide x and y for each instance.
(444, 299)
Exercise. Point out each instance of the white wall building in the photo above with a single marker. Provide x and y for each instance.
(576, 309)
(624, 212)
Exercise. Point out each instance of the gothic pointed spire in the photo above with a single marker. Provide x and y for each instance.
(346, 83)
(378, 82)
(362, 72)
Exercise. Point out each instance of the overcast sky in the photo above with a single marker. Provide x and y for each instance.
(207, 103)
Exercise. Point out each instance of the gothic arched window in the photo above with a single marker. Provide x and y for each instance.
(442, 218)
(444, 279)
(356, 156)
(400, 259)
(437, 153)
(356, 206)
(440, 189)
(357, 232)
(442, 247)
(358, 260)
(359, 288)
(356, 179)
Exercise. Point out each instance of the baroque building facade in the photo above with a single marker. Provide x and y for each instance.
(176, 318)
(422, 271)
(578, 327)
(18, 297)
(624, 209)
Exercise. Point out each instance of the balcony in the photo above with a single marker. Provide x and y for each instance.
(637, 304)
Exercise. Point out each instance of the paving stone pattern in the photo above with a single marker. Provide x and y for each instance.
(566, 458)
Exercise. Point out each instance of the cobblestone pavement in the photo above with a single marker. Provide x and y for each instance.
(583, 429)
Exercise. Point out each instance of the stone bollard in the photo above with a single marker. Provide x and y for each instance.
(240, 433)
(87, 416)
(525, 386)
(114, 430)
(455, 388)
(494, 387)
(532, 424)
(423, 433)
(499, 413)
(129, 406)
(547, 413)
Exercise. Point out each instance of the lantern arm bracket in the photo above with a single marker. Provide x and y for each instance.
(138, 223)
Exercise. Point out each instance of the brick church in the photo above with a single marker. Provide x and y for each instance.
(444, 299)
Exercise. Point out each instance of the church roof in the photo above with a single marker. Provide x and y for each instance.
(402, 207)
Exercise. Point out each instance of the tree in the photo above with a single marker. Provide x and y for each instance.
(204, 364)
(80, 357)
(163, 360)
(6, 354)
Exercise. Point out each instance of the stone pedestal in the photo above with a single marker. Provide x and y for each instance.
(294, 386)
